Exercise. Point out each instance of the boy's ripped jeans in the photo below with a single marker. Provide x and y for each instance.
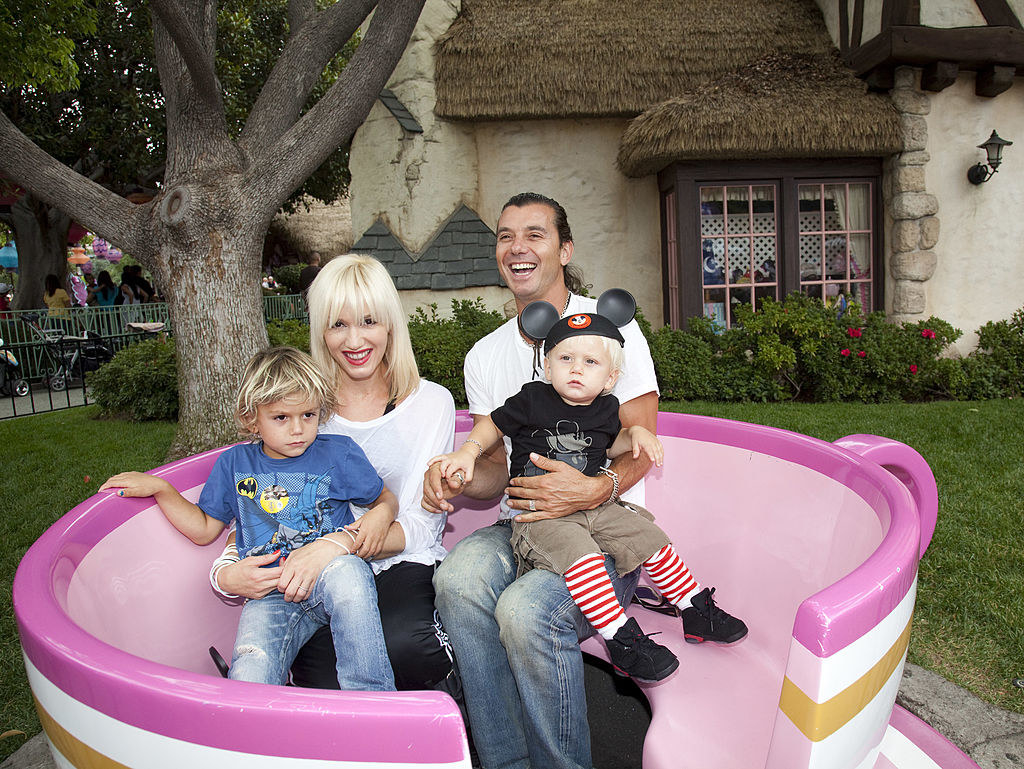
(271, 630)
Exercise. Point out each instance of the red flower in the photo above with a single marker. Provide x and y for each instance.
(928, 333)
(854, 333)
(913, 368)
(862, 354)
(845, 353)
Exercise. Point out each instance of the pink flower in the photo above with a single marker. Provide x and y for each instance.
(913, 368)
(928, 333)
(854, 333)
(862, 354)
(845, 353)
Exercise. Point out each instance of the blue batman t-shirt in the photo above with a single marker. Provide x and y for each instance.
(283, 504)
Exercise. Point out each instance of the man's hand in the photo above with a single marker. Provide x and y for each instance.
(437, 490)
(562, 490)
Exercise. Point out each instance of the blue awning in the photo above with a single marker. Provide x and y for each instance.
(9, 257)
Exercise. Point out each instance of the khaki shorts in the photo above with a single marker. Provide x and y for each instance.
(625, 531)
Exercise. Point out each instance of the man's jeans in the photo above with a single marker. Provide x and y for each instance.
(271, 630)
(517, 644)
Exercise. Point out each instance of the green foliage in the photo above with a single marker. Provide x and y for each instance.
(291, 332)
(251, 35)
(36, 50)
(287, 275)
(441, 344)
(802, 349)
(1001, 347)
(140, 383)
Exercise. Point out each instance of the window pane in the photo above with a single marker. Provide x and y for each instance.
(737, 297)
(764, 259)
(714, 306)
(737, 211)
(739, 260)
(764, 292)
(810, 257)
(712, 251)
(861, 293)
(859, 206)
(712, 219)
(860, 255)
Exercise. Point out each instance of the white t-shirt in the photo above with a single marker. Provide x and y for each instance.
(502, 362)
(398, 445)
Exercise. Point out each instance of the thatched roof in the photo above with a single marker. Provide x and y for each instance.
(784, 106)
(523, 59)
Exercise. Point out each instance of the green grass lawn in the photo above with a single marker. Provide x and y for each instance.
(969, 623)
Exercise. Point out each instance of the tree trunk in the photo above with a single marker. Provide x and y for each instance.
(41, 235)
(208, 268)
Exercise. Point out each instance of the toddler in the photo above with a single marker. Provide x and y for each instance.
(573, 418)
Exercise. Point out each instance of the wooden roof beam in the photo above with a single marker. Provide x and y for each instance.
(939, 75)
(972, 48)
(993, 80)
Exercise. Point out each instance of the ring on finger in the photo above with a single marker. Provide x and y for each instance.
(461, 477)
(533, 506)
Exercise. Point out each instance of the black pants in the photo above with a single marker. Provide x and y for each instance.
(417, 644)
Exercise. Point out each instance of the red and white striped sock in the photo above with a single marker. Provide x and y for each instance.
(591, 589)
(670, 575)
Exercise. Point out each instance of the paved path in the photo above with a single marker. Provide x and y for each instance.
(40, 399)
(993, 737)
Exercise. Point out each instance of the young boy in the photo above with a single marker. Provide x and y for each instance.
(286, 488)
(572, 418)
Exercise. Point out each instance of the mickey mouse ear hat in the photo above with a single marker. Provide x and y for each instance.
(615, 308)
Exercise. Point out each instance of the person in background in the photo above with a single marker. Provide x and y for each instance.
(103, 292)
(309, 273)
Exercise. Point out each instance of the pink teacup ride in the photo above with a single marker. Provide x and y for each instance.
(814, 545)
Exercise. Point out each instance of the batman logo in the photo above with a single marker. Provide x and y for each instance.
(247, 487)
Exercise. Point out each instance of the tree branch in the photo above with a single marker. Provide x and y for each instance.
(308, 51)
(89, 204)
(299, 12)
(198, 59)
(279, 170)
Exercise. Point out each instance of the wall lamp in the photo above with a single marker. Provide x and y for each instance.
(980, 173)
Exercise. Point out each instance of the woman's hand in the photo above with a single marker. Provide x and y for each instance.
(247, 579)
(302, 569)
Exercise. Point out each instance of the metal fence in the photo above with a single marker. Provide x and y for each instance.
(53, 353)
(110, 321)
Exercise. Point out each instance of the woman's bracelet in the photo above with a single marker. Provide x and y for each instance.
(479, 445)
(228, 557)
(336, 542)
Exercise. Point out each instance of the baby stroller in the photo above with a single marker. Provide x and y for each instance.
(67, 356)
(11, 382)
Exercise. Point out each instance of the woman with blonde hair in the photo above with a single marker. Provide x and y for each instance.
(359, 337)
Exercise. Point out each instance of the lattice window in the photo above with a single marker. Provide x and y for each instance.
(739, 248)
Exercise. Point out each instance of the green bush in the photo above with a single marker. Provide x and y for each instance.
(140, 383)
(287, 275)
(441, 344)
(1001, 347)
(292, 332)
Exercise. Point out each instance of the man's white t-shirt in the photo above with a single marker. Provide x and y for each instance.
(502, 362)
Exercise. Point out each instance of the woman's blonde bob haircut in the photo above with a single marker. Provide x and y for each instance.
(362, 284)
(277, 373)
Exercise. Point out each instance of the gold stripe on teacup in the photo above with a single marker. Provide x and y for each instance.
(73, 749)
(820, 720)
